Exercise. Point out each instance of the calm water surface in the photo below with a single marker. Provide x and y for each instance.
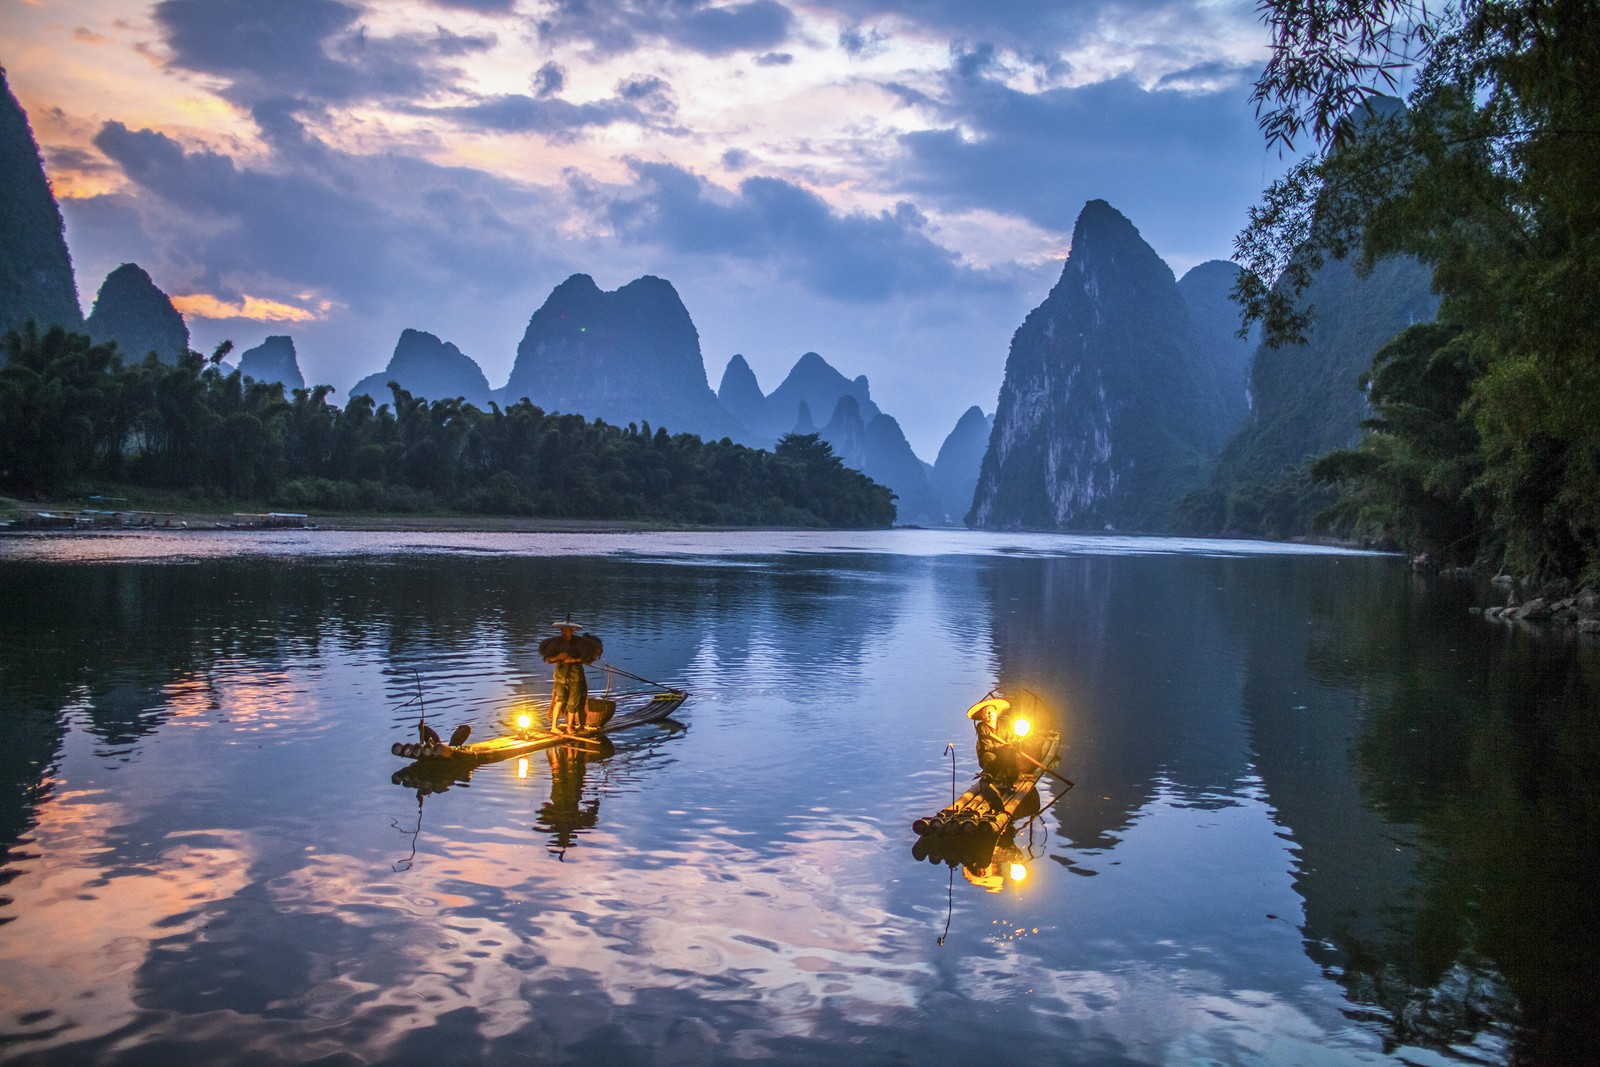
(1323, 815)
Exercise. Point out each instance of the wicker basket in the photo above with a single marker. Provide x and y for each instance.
(599, 711)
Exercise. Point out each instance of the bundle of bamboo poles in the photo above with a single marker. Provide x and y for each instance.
(977, 811)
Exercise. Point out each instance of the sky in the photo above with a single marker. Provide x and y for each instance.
(889, 183)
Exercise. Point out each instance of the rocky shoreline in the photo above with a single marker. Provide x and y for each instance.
(1556, 602)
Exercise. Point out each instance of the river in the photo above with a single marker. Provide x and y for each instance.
(1321, 814)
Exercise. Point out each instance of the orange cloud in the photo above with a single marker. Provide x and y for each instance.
(259, 309)
(87, 36)
(82, 185)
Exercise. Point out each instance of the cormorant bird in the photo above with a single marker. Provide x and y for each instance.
(427, 734)
(460, 736)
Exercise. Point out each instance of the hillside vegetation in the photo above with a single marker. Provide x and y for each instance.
(75, 415)
(1484, 441)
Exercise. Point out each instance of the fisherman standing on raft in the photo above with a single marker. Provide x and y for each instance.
(569, 696)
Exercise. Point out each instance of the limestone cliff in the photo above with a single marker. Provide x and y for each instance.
(36, 280)
(425, 366)
(274, 360)
(630, 355)
(132, 311)
(1109, 410)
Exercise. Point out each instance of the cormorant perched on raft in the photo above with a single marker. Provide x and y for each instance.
(459, 738)
(427, 734)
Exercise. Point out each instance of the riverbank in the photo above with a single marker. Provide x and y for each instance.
(117, 514)
(1555, 602)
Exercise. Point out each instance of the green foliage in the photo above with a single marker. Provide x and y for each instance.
(1276, 505)
(1490, 179)
(70, 411)
(817, 481)
(1413, 478)
(61, 406)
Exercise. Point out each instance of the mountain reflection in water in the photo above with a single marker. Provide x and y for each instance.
(1322, 815)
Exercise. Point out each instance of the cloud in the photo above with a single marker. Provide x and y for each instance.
(859, 43)
(1044, 28)
(370, 243)
(645, 89)
(363, 231)
(483, 7)
(976, 61)
(445, 43)
(641, 101)
(549, 80)
(309, 50)
(774, 59)
(1213, 76)
(72, 158)
(256, 309)
(853, 257)
(616, 27)
(1166, 158)
(516, 113)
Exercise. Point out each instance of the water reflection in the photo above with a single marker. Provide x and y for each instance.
(1322, 814)
(1476, 745)
(568, 812)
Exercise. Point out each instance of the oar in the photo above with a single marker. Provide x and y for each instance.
(1047, 770)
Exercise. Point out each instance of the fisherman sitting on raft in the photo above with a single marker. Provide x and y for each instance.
(996, 757)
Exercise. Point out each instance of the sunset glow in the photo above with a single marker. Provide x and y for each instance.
(258, 309)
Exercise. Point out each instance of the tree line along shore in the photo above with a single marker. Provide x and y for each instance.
(78, 416)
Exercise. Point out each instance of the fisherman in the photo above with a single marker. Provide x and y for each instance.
(569, 695)
(996, 756)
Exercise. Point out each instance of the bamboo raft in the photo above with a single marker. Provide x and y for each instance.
(985, 813)
(523, 742)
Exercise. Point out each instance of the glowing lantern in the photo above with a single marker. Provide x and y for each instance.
(1020, 727)
(524, 721)
(1019, 873)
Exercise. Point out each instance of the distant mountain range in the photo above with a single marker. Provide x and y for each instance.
(1207, 292)
(804, 400)
(633, 356)
(858, 431)
(1120, 389)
